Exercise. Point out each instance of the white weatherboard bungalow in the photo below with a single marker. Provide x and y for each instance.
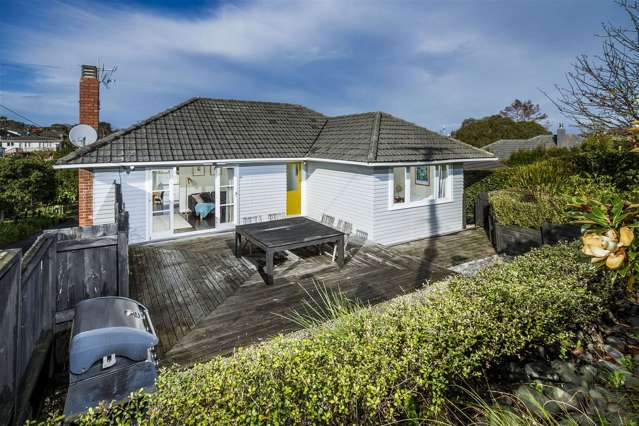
(207, 165)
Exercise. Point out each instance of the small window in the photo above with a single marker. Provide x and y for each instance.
(415, 185)
(291, 176)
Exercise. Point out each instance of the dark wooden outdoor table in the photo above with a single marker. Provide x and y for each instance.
(287, 234)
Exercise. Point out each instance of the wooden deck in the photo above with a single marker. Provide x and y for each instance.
(204, 301)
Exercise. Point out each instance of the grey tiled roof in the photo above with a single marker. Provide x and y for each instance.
(212, 129)
(504, 148)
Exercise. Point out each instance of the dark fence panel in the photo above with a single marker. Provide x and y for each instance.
(514, 240)
(482, 210)
(9, 311)
(38, 293)
(553, 233)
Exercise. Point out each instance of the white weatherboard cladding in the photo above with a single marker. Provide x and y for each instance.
(398, 225)
(343, 191)
(134, 197)
(262, 190)
(104, 196)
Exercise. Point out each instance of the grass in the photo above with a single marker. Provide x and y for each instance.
(323, 305)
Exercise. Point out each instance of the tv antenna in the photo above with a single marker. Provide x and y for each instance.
(105, 75)
(82, 135)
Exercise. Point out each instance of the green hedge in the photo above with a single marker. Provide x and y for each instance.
(528, 210)
(382, 364)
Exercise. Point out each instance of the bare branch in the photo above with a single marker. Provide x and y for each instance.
(602, 92)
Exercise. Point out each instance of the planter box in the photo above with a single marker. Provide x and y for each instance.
(514, 240)
(552, 233)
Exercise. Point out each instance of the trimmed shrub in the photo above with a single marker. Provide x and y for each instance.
(528, 210)
(394, 361)
(529, 156)
(497, 179)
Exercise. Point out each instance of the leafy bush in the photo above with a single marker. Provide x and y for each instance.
(497, 179)
(25, 183)
(542, 177)
(607, 156)
(19, 229)
(395, 361)
(540, 203)
(526, 156)
(528, 210)
(609, 228)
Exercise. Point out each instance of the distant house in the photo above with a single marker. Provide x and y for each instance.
(504, 148)
(207, 165)
(13, 144)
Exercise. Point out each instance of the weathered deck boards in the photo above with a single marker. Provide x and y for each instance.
(204, 301)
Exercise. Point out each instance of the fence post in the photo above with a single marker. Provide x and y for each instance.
(123, 254)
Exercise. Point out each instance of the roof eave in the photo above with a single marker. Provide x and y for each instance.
(265, 160)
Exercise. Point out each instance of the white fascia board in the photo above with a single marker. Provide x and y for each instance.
(262, 160)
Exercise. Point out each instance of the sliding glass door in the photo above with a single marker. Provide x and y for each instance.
(226, 191)
(188, 199)
(161, 203)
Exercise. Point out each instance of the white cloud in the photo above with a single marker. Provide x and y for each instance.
(430, 62)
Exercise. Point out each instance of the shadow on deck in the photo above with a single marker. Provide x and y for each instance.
(204, 301)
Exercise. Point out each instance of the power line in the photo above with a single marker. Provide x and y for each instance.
(20, 115)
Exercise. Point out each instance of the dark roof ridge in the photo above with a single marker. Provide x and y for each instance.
(247, 101)
(101, 142)
(356, 114)
(317, 136)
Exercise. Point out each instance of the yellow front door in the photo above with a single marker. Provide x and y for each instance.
(294, 188)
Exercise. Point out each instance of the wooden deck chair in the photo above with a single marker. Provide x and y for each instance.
(346, 228)
(275, 216)
(327, 220)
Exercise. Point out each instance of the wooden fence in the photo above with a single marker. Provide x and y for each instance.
(38, 292)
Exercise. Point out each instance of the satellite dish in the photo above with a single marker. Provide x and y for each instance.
(82, 135)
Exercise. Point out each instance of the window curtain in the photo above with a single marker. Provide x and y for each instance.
(442, 177)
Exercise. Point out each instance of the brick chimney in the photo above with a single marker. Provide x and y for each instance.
(89, 114)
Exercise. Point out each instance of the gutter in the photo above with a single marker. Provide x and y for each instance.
(263, 160)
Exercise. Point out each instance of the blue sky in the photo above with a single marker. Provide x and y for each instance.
(431, 62)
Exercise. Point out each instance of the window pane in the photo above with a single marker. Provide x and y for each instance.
(421, 183)
(161, 221)
(226, 196)
(226, 176)
(161, 201)
(399, 181)
(291, 177)
(160, 179)
(442, 191)
(226, 214)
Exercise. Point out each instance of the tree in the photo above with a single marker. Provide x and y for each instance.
(602, 92)
(104, 129)
(523, 111)
(25, 183)
(480, 132)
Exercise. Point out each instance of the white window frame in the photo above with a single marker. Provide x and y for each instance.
(407, 182)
